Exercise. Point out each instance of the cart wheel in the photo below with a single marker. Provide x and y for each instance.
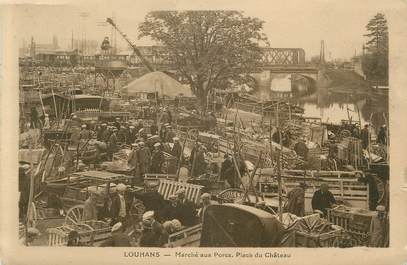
(32, 215)
(74, 215)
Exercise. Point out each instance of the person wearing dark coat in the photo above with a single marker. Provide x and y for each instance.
(382, 136)
(153, 129)
(186, 213)
(176, 150)
(227, 171)
(301, 149)
(106, 135)
(364, 136)
(157, 159)
(101, 132)
(112, 146)
(323, 199)
(118, 205)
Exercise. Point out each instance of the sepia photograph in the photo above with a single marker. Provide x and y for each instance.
(145, 125)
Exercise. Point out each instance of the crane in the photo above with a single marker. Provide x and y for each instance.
(133, 46)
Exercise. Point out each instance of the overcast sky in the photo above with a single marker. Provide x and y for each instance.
(295, 23)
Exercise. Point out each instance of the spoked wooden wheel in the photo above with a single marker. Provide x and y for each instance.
(74, 215)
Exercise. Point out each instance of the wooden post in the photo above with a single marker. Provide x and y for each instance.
(280, 202)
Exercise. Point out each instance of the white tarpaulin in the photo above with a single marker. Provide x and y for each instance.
(157, 82)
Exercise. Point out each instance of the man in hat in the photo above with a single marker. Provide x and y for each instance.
(85, 133)
(134, 161)
(170, 134)
(118, 207)
(323, 199)
(206, 201)
(200, 163)
(119, 237)
(365, 136)
(379, 228)
(132, 135)
(185, 209)
(112, 146)
(382, 135)
(117, 123)
(100, 131)
(90, 211)
(107, 131)
(145, 156)
(176, 150)
(163, 132)
(122, 134)
(296, 200)
(227, 170)
(154, 234)
(157, 159)
(153, 129)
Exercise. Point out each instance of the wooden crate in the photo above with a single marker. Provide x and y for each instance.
(359, 229)
(324, 240)
(169, 187)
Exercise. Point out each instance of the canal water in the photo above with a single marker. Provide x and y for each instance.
(333, 107)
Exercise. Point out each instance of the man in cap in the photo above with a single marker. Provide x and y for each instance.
(170, 134)
(117, 123)
(134, 161)
(132, 135)
(227, 170)
(85, 132)
(24, 189)
(157, 159)
(154, 234)
(296, 200)
(382, 135)
(163, 132)
(176, 149)
(323, 199)
(185, 209)
(379, 228)
(107, 131)
(153, 128)
(206, 201)
(365, 136)
(123, 134)
(118, 207)
(145, 157)
(90, 211)
(200, 163)
(119, 237)
(101, 130)
(112, 146)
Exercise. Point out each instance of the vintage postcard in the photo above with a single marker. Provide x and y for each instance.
(203, 132)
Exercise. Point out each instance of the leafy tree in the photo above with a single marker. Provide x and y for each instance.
(375, 61)
(209, 49)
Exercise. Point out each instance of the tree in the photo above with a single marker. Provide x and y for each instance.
(209, 49)
(375, 62)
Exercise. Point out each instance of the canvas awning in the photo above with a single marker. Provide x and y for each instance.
(158, 82)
